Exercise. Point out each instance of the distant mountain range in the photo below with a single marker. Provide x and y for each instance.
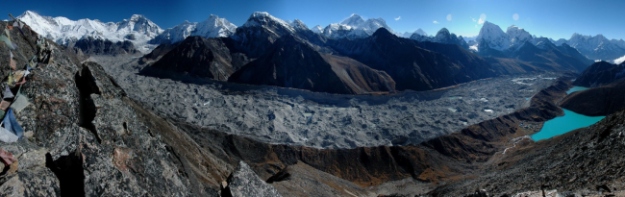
(137, 30)
(592, 47)
(355, 56)
(210, 28)
(145, 34)
(269, 51)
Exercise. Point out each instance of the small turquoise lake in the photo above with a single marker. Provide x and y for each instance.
(575, 89)
(563, 124)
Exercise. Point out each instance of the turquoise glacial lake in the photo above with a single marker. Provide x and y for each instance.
(575, 89)
(563, 124)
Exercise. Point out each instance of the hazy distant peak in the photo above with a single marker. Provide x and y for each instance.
(443, 31)
(353, 20)
(420, 32)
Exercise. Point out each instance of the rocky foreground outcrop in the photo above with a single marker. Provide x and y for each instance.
(245, 182)
(87, 138)
(584, 162)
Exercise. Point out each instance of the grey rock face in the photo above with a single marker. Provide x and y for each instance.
(89, 139)
(244, 182)
(93, 46)
(197, 57)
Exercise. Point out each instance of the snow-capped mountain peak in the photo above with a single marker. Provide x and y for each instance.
(355, 27)
(492, 36)
(299, 25)
(597, 47)
(137, 29)
(353, 20)
(140, 26)
(518, 35)
(317, 29)
(265, 19)
(373, 24)
(213, 26)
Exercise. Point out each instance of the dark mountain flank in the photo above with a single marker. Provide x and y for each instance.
(600, 101)
(196, 57)
(411, 66)
(600, 73)
(548, 56)
(607, 94)
(93, 46)
(292, 63)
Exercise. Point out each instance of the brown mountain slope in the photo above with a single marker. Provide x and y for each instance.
(292, 63)
(599, 101)
(195, 57)
(410, 65)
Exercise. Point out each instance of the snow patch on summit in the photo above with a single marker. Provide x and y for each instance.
(355, 27)
(138, 29)
(619, 60)
(492, 36)
(212, 27)
(266, 19)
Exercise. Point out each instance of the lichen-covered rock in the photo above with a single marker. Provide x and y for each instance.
(244, 182)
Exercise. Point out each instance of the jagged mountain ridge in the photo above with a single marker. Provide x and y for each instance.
(597, 47)
(412, 66)
(292, 63)
(261, 30)
(493, 37)
(130, 146)
(213, 26)
(354, 27)
(141, 32)
(442, 36)
(138, 29)
(592, 47)
(547, 55)
(256, 37)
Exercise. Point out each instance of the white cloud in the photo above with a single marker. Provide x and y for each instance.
(515, 16)
(448, 17)
(482, 19)
(398, 18)
(473, 19)
(435, 22)
(619, 60)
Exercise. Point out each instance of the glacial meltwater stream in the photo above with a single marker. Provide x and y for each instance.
(569, 122)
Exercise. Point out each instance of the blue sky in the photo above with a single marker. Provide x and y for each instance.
(551, 18)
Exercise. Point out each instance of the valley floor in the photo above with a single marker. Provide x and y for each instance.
(298, 117)
(342, 122)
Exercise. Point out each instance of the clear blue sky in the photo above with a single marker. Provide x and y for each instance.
(551, 18)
